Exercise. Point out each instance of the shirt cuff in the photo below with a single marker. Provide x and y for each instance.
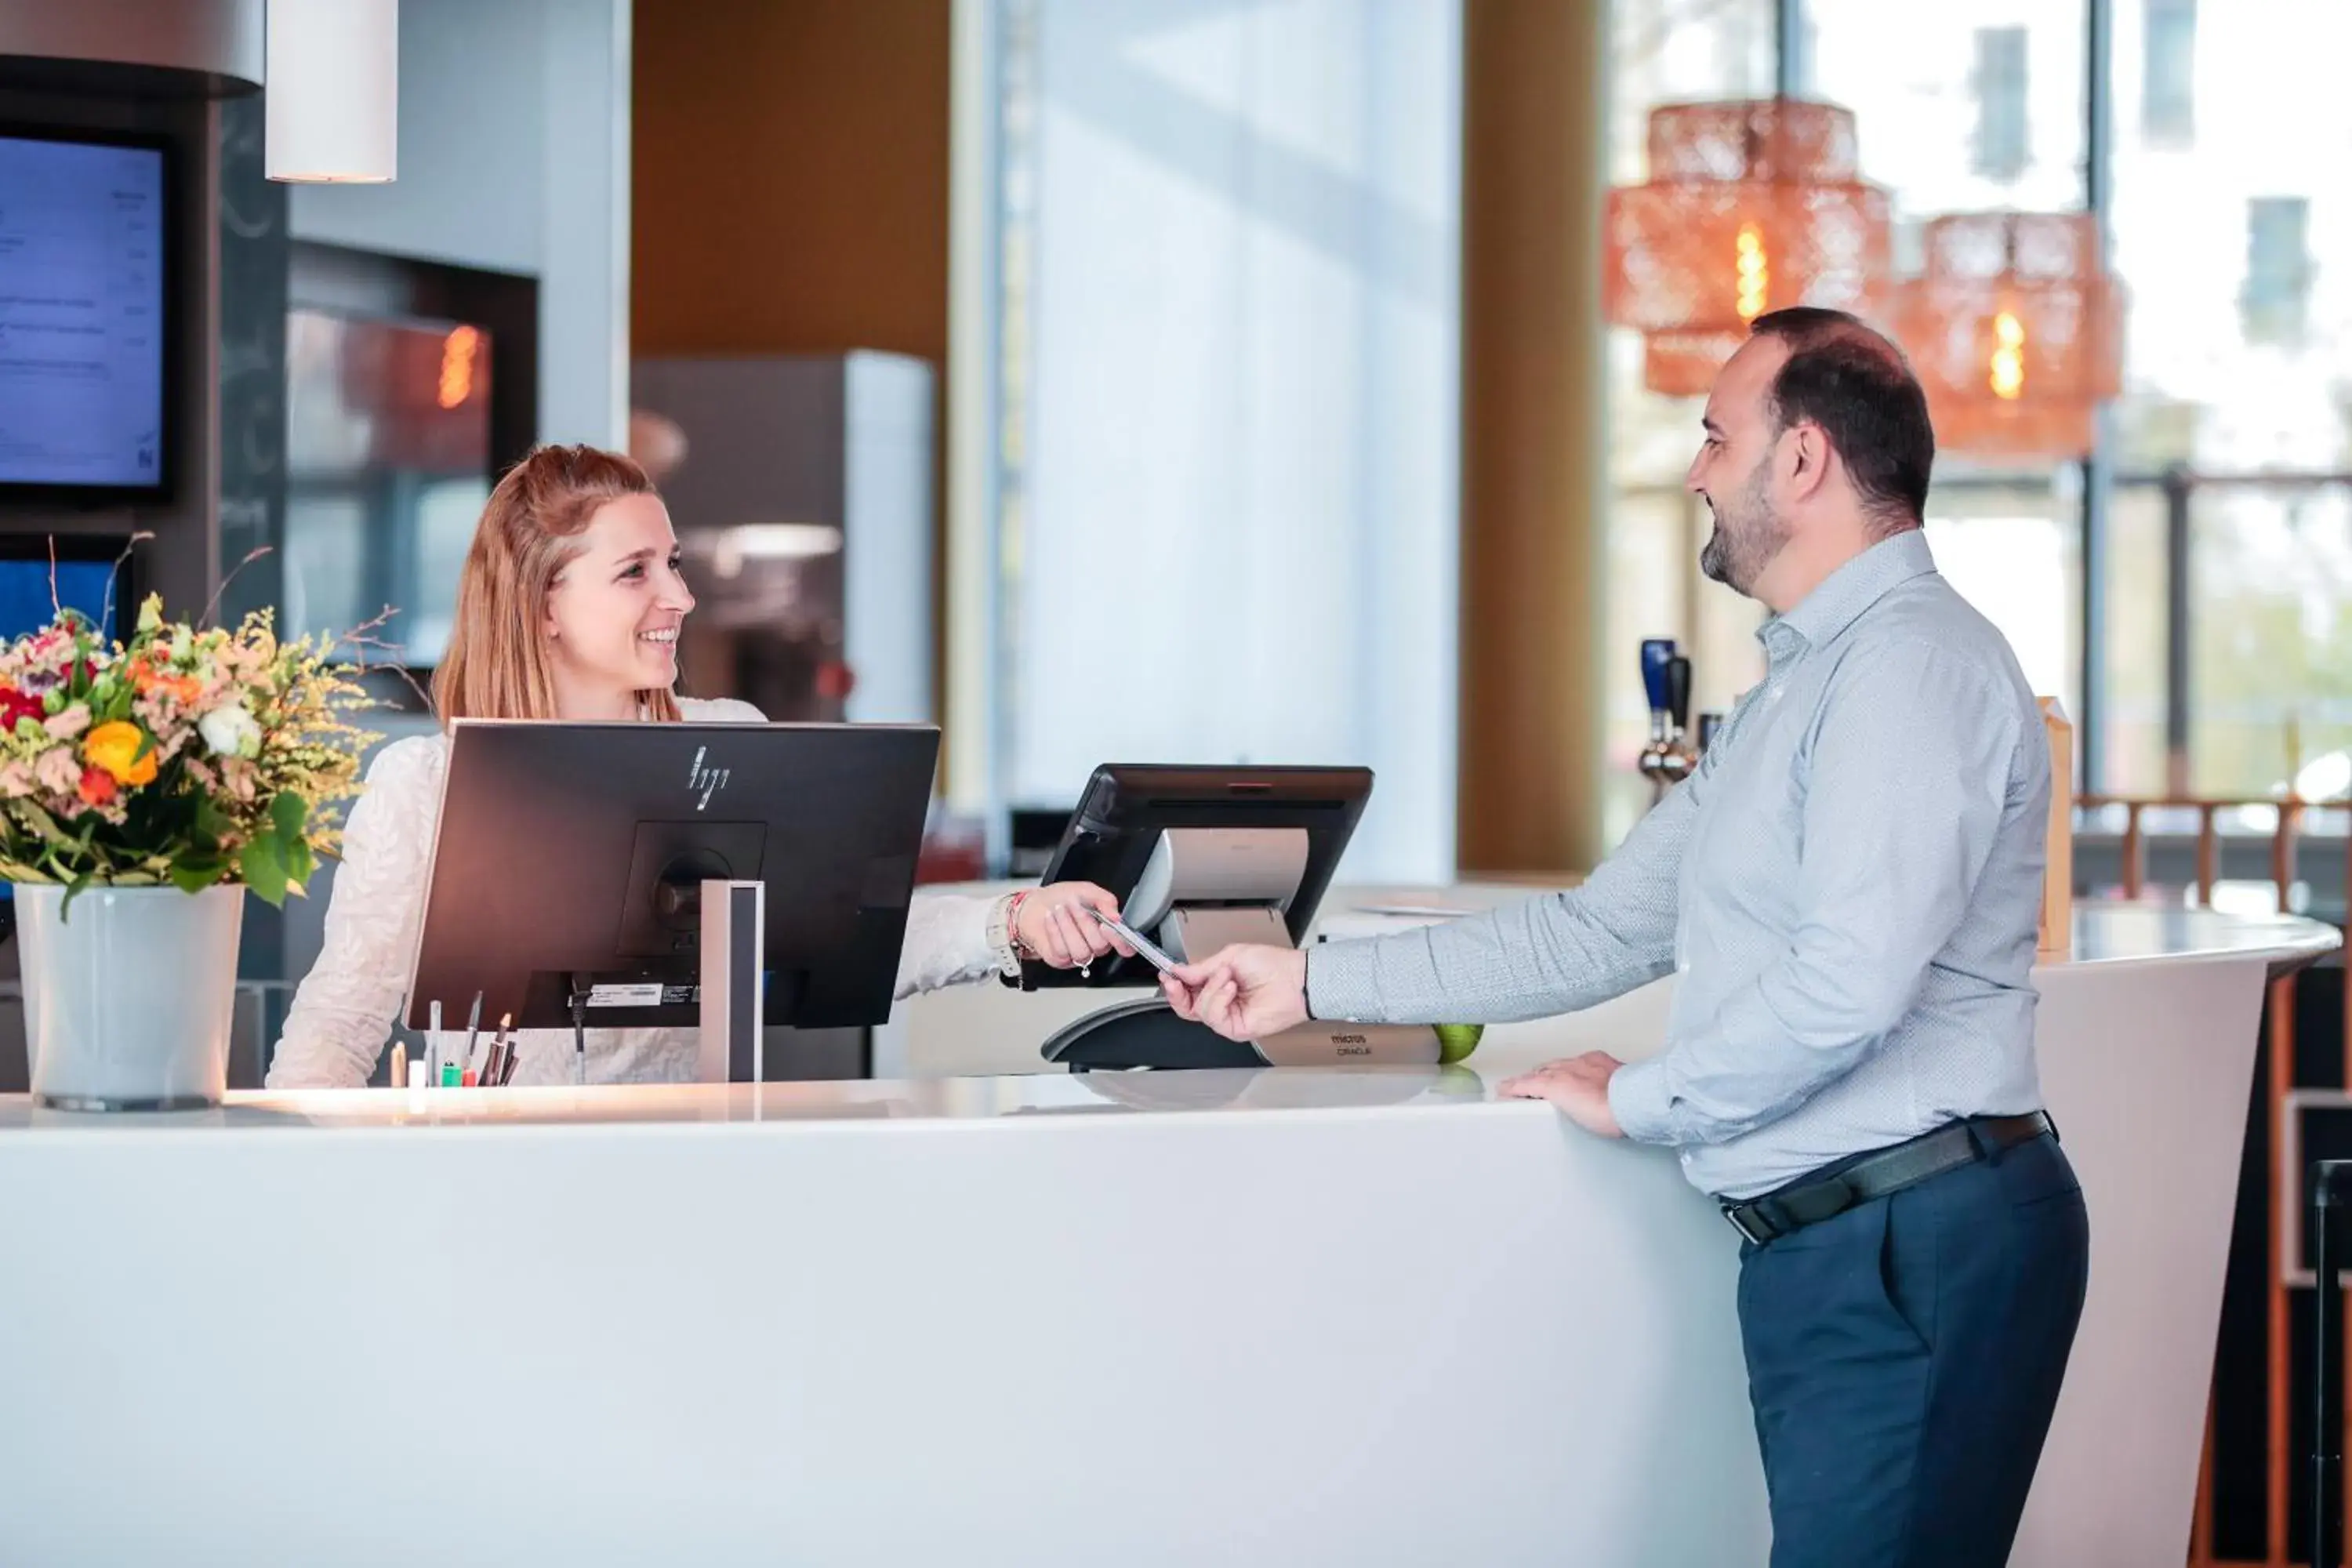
(1642, 1101)
(1343, 982)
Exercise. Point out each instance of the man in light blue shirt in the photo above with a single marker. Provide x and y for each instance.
(1848, 891)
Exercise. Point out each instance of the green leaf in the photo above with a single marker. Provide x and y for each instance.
(262, 863)
(287, 812)
(299, 863)
(191, 876)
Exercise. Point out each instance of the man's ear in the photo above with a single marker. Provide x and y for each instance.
(1803, 459)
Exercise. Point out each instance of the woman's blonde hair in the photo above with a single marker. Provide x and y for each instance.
(497, 663)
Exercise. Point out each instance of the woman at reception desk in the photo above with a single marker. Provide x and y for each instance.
(569, 608)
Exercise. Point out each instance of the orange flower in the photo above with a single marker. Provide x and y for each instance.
(112, 747)
(97, 786)
(153, 673)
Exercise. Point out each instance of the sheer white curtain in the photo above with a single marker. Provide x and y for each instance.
(1230, 526)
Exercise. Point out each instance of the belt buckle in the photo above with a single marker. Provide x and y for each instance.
(1741, 1215)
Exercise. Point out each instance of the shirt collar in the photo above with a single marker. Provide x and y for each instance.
(1839, 600)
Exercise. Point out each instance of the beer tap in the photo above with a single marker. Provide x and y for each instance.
(1669, 758)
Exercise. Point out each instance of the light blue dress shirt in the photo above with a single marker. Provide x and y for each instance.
(1849, 885)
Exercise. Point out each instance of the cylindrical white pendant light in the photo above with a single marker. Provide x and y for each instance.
(333, 91)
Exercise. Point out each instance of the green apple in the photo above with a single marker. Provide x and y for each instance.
(1455, 1041)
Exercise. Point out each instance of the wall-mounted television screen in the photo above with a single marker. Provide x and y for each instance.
(84, 233)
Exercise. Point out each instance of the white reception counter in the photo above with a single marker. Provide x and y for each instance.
(1365, 1316)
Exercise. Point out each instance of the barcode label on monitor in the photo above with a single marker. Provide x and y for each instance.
(625, 996)
(649, 994)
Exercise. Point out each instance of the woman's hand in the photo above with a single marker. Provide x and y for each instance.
(1053, 923)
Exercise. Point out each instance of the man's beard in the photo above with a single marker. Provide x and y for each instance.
(1746, 536)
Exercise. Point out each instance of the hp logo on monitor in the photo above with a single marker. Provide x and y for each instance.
(703, 781)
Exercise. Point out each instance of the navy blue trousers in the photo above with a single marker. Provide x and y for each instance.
(1903, 1361)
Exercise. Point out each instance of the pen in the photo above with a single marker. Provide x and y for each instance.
(478, 1053)
(473, 1034)
(433, 1046)
(1143, 945)
(495, 1070)
(399, 1064)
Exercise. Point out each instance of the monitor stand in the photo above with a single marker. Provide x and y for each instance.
(733, 990)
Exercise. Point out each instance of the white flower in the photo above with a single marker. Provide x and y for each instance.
(230, 731)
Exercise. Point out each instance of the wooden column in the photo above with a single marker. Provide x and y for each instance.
(1534, 458)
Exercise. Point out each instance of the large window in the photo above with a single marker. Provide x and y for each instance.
(2269, 686)
(2237, 387)
(2224, 550)
(1226, 363)
(1665, 51)
(2008, 536)
(2135, 702)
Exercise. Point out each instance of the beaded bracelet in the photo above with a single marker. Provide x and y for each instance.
(1021, 948)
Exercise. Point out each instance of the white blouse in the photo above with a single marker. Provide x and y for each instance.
(345, 1008)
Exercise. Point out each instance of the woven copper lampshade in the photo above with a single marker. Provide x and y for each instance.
(1749, 207)
(2016, 330)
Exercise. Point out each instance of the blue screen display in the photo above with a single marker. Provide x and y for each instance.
(26, 606)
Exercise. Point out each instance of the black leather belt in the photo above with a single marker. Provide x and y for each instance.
(1809, 1200)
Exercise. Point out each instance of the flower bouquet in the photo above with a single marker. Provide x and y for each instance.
(143, 787)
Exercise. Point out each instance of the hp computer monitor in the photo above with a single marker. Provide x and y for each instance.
(570, 857)
(1127, 806)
